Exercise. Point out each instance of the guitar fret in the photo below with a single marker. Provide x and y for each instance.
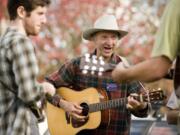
(105, 105)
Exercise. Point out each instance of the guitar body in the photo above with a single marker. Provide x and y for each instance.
(60, 124)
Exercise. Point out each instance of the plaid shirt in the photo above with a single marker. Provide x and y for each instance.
(70, 75)
(18, 70)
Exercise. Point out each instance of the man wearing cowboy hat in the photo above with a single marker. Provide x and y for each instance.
(105, 35)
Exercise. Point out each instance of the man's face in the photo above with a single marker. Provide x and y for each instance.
(105, 43)
(33, 23)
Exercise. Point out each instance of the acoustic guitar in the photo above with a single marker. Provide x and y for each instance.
(96, 106)
(95, 102)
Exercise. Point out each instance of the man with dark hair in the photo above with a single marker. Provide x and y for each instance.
(104, 35)
(19, 88)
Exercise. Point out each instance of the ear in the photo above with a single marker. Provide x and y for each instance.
(92, 38)
(21, 13)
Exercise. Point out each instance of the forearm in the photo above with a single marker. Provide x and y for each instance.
(145, 71)
(149, 70)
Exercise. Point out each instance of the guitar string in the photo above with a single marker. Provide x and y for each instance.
(148, 97)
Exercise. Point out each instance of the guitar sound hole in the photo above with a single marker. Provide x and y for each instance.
(85, 109)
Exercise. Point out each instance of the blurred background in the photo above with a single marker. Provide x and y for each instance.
(61, 39)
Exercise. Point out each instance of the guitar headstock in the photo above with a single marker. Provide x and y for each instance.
(94, 65)
(155, 96)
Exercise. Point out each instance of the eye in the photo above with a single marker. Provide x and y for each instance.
(114, 37)
(104, 36)
(41, 13)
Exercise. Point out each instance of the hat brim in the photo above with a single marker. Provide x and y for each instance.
(87, 34)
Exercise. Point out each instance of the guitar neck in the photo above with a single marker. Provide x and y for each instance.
(115, 103)
(107, 105)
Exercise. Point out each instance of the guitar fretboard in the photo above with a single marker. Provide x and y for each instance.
(107, 104)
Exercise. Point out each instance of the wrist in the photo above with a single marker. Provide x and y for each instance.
(56, 99)
(60, 102)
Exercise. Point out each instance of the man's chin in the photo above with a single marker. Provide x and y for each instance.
(107, 55)
(33, 33)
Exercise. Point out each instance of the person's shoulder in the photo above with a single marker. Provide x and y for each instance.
(18, 37)
(74, 61)
(13, 39)
(15, 34)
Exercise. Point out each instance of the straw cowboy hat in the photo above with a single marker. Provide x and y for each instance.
(104, 23)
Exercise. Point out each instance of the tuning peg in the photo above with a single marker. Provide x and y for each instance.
(101, 62)
(93, 68)
(101, 69)
(84, 71)
(92, 72)
(86, 67)
(87, 57)
(94, 57)
(101, 58)
(94, 61)
(99, 73)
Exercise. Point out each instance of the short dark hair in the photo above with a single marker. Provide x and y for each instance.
(29, 5)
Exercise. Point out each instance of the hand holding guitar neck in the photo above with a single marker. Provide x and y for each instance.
(135, 103)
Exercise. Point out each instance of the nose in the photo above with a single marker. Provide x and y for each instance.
(44, 19)
(110, 41)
